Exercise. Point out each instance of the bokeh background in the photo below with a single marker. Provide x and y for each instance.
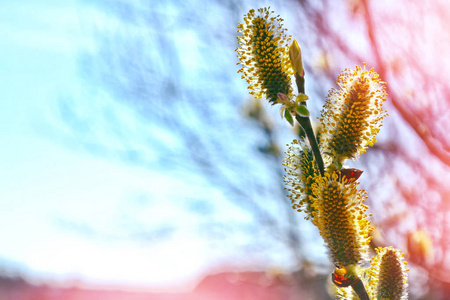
(134, 162)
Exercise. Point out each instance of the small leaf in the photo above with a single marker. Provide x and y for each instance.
(303, 111)
(282, 111)
(301, 98)
(288, 117)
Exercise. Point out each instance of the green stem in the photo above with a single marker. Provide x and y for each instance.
(306, 125)
(305, 122)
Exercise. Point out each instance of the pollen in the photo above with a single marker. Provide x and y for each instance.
(300, 169)
(353, 113)
(263, 51)
(341, 219)
(388, 275)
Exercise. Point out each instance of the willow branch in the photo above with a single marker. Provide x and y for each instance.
(360, 290)
(305, 123)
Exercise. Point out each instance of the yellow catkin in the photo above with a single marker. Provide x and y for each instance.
(300, 169)
(339, 213)
(388, 277)
(263, 52)
(352, 114)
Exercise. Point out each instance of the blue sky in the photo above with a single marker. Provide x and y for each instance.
(47, 179)
(44, 181)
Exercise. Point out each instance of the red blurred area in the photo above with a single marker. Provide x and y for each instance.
(220, 286)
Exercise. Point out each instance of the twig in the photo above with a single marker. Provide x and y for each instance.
(360, 290)
(305, 123)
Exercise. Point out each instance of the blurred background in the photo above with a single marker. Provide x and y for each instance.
(134, 164)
